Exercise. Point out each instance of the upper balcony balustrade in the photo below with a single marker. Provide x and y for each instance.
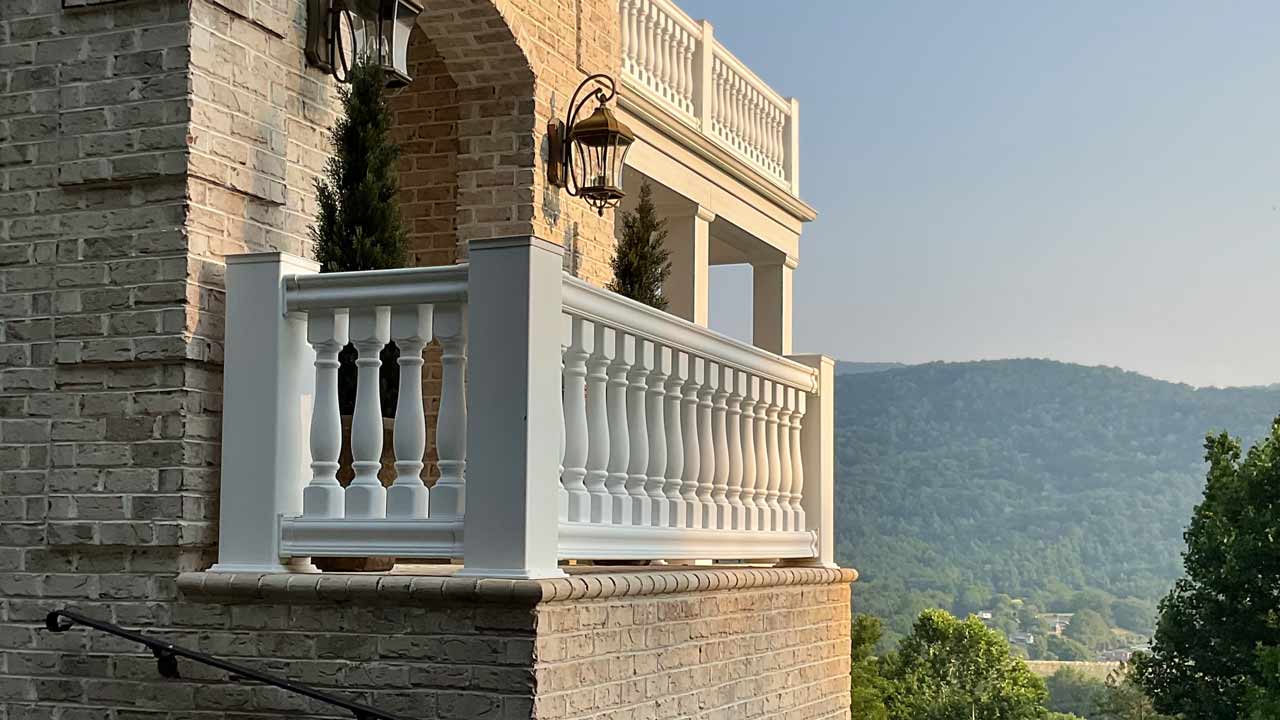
(675, 62)
(573, 424)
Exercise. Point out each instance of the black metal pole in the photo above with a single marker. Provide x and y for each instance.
(167, 655)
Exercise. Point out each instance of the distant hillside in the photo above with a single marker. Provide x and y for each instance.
(845, 367)
(1025, 477)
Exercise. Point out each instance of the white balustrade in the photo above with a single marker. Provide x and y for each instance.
(699, 438)
(673, 60)
(674, 442)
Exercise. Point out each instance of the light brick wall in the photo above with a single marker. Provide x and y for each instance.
(731, 644)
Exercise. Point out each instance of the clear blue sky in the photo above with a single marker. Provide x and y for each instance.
(1095, 182)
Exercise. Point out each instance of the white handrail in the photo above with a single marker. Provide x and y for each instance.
(594, 303)
(369, 288)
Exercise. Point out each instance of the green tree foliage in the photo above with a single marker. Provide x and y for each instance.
(1264, 697)
(1204, 662)
(641, 261)
(1062, 485)
(358, 224)
(1134, 615)
(1089, 629)
(1061, 648)
(1122, 699)
(1072, 691)
(867, 688)
(949, 669)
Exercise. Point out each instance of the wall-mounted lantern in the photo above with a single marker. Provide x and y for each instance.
(587, 162)
(339, 31)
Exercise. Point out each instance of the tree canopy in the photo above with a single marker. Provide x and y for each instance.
(949, 669)
(1214, 653)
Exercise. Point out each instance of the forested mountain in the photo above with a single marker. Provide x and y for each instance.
(1039, 480)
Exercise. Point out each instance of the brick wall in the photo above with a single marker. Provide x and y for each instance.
(704, 643)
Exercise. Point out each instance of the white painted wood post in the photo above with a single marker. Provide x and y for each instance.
(703, 86)
(411, 331)
(793, 147)
(370, 330)
(515, 295)
(327, 334)
(575, 422)
(771, 299)
(268, 381)
(817, 448)
(448, 497)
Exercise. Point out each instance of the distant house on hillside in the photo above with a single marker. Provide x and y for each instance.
(1056, 622)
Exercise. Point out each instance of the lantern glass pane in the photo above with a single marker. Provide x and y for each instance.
(404, 23)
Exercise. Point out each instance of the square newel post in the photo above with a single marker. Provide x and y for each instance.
(268, 380)
(688, 240)
(513, 421)
(817, 448)
(704, 82)
(771, 306)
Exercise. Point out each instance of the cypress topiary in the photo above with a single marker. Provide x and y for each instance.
(358, 226)
(641, 262)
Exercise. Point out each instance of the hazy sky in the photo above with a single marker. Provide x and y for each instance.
(1095, 182)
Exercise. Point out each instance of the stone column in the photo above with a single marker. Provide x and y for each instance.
(688, 239)
(771, 306)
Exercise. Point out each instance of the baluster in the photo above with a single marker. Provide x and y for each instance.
(720, 441)
(779, 153)
(733, 434)
(365, 497)
(762, 455)
(628, 45)
(797, 463)
(717, 103)
(673, 475)
(327, 333)
(636, 15)
(750, 390)
(575, 423)
(598, 426)
(692, 453)
(683, 87)
(706, 445)
(740, 111)
(753, 116)
(619, 435)
(638, 426)
(786, 400)
(448, 497)
(775, 460)
(411, 331)
(651, 45)
(659, 513)
(668, 58)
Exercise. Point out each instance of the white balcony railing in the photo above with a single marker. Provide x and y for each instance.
(675, 442)
(676, 62)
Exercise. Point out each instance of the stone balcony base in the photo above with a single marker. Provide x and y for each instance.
(634, 642)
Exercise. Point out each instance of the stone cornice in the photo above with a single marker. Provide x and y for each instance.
(425, 586)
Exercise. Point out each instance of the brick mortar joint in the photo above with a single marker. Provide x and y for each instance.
(392, 589)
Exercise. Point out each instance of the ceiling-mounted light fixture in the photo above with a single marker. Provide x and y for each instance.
(340, 31)
(588, 162)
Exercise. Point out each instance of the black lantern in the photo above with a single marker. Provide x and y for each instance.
(339, 31)
(589, 162)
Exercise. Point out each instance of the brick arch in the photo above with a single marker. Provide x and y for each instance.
(488, 78)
